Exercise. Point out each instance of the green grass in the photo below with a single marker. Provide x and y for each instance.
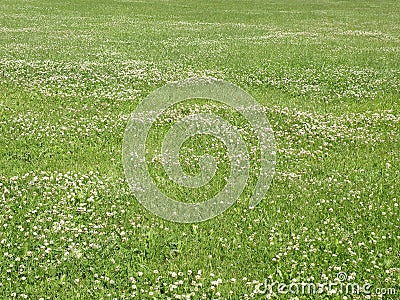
(328, 75)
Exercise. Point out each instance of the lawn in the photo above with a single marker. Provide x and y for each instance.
(327, 75)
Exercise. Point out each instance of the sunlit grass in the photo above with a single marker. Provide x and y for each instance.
(328, 76)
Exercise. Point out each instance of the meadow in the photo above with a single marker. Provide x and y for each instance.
(327, 74)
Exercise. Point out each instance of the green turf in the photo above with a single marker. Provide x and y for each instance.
(71, 72)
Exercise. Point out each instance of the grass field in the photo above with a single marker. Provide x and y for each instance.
(71, 72)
